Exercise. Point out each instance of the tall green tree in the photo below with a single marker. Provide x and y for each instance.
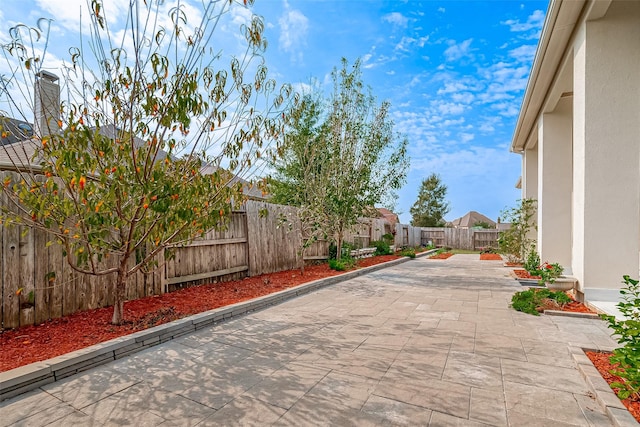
(344, 157)
(119, 173)
(431, 207)
(299, 177)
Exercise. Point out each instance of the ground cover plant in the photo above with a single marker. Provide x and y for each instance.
(408, 252)
(626, 359)
(30, 344)
(441, 254)
(534, 301)
(605, 367)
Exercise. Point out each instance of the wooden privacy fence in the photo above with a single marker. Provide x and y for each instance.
(458, 238)
(256, 241)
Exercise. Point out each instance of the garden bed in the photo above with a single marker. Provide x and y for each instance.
(490, 257)
(443, 255)
(603, 365)
(30, 344)
(524, 274)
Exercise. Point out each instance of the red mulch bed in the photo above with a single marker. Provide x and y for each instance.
(490, 257)
(443, 255)
(577, 307)
(30, 344)
(574, 306)
(524, 274)
(602, 364)
(513, 264)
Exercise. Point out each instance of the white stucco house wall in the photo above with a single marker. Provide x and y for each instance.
(578, 132)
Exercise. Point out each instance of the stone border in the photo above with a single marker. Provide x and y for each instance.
(606, 398)
(25, 378)
(572, 314)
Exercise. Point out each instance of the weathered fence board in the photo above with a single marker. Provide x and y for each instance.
(204, 259)
(483, 239)
(273, 245)
(458, 238)
(255, 241)
(432, 235)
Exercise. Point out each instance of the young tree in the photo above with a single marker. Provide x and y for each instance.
(431, 207)
(298, 177)
(352, 161)
(118, 174)
(517, 240)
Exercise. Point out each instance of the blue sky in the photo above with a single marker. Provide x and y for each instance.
(454, 72)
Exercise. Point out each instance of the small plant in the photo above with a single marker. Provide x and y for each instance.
(532, 301)
(549, 272)
(515, 241)
(343, 264)
(410, 252)
(532, 263)
(382, 247)
(346, 250)
(628, 333)
(489, 250)
(388, 238)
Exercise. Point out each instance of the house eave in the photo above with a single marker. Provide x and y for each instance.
(559, 27)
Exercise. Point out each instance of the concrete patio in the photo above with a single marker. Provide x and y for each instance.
(424, 343)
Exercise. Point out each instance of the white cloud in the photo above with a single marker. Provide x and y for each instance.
(69, 15)
(523, 53)
(487, 128)
(396, 18)
(466, 137)
(450, 108)
(406, 43)
(463, 97)
(441, 9)
(294, 26)
(534, 22)
(457, 51)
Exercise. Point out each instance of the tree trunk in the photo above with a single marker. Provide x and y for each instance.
(121, 283)
(302, 251)
(339, 246)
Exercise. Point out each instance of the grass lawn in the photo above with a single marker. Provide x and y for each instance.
(463, 251)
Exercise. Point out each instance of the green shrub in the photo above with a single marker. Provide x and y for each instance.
(346, 250)
(410, 252)
(382, 247)
(628, 333)
(530, 300)
(388, 238)
(343, 264)
(532, 263)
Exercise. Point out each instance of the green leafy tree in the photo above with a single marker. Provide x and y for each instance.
(431, 207)
(298, 177)
(516, 241)
(342, 157)
(120, 173)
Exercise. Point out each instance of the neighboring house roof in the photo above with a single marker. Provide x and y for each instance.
(389, 216)
(21, 153)
(249, 189)
(470, 219)
(14, 130)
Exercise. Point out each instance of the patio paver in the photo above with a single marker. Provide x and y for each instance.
(427, 342)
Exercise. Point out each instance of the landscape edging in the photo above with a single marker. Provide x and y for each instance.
(617, 413)
(29, 377)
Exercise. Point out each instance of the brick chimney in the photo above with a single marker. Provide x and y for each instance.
(47, 103)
